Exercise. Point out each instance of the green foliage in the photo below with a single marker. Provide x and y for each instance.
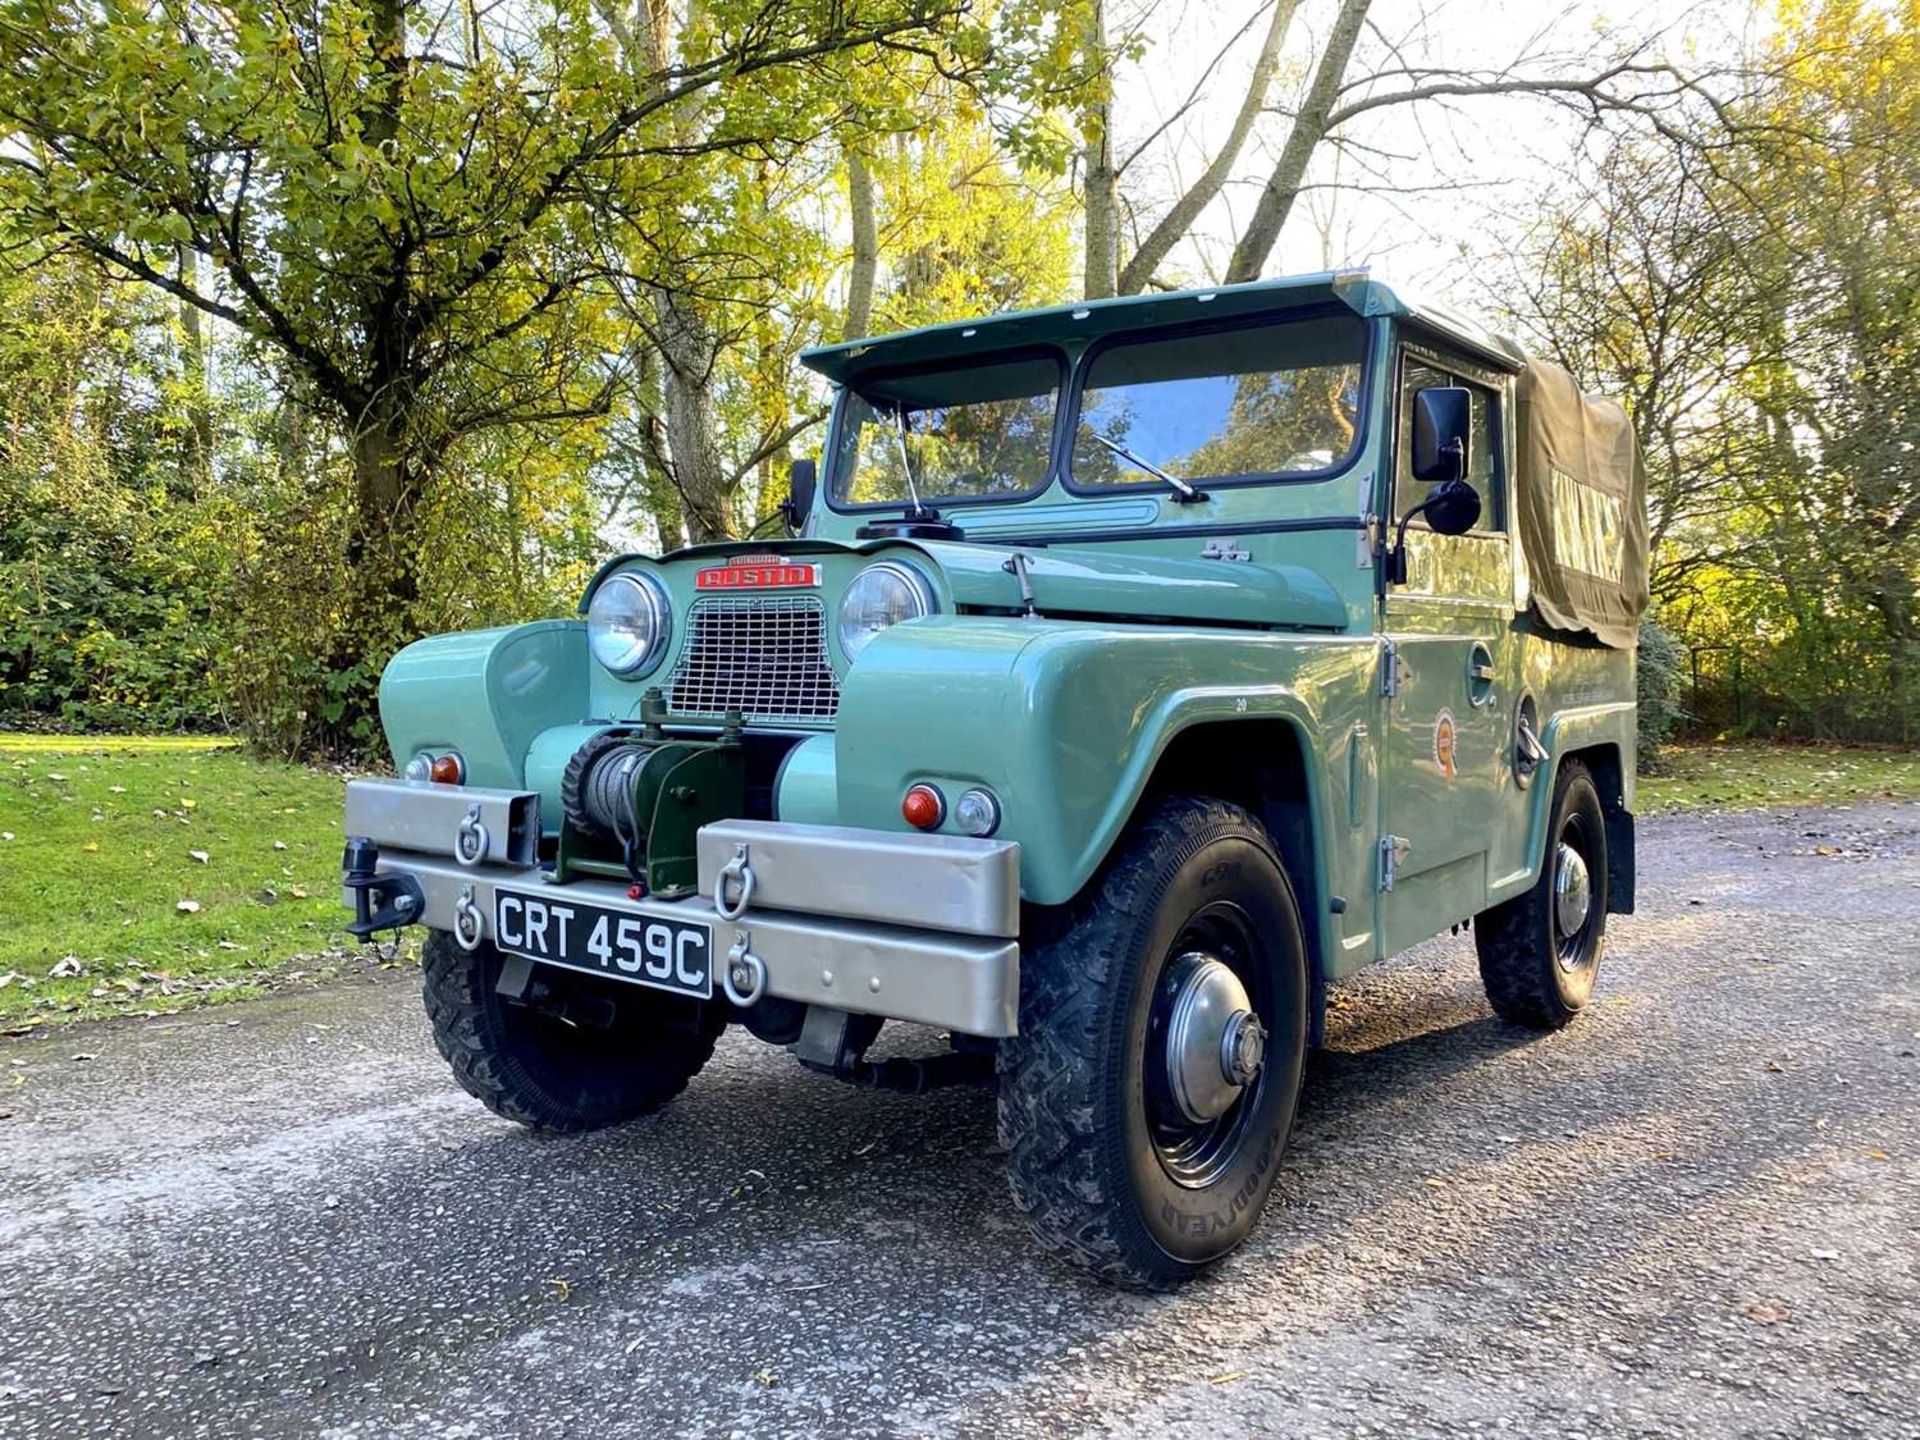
(106, 592)
(1661, 674)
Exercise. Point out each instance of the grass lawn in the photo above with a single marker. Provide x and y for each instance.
(1748, 774)
(171, 871)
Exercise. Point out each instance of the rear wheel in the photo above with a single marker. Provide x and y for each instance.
(1540, 952)
(578, 1054)
(1146, 1101)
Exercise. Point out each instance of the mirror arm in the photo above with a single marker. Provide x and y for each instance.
(1397, 552)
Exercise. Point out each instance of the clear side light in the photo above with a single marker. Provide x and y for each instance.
(977, 813)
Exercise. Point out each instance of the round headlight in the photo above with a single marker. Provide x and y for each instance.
(881, 595)
(628, 623)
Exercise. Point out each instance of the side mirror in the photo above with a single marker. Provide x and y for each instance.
(801, 482)
(1442, 431)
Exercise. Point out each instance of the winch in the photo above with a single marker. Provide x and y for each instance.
(641, 795)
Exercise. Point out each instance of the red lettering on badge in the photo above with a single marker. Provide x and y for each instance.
(757, 576)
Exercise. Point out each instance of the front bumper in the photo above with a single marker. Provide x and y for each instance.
(908, 927)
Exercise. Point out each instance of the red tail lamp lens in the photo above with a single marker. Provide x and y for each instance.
(447, 769)
(924, 807)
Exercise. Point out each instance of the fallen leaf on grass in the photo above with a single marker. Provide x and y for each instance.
(298, 892)
(66, 968)
(8, 978)
(562, 1288)
(6, 834)
(186, 804)
(92, 847)
(55, 775)
(188, 907)
(117, 789)
(202, 856)
(279, 844)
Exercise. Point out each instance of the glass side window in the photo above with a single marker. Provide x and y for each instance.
(1483, 469)
(1264, 402)
(968, 432)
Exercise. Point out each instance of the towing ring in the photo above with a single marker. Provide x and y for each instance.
(470, 841)
(469, 927)
(745, 977)
(736, 869)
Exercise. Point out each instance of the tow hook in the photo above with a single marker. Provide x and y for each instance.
(380, 902)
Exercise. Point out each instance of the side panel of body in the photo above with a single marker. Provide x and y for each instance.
(1469, 654)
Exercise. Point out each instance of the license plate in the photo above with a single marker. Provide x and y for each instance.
(666, 954)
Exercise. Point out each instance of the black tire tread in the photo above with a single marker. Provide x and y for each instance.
(457, 1001)
(1048, 1111)
(1519, 986)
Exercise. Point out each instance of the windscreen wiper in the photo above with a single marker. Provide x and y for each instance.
(915, 511)
(1183, 493)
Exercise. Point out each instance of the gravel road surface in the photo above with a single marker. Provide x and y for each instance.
(1695, 1212)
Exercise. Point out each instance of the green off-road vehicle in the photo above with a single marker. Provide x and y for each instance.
(1134, 670)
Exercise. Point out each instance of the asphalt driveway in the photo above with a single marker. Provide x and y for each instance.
(1697, 1211)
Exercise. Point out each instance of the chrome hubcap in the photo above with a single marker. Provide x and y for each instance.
(1214, 1042)
(1572, 890)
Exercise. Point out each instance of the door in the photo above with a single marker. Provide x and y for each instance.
(1448, 629)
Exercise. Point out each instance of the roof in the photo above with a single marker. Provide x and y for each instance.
(1089, 319)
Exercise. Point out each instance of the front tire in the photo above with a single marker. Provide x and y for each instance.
(632, 1051)
(1143, 1117)
(1540, 952)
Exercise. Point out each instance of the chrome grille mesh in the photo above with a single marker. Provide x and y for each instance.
(765, 656)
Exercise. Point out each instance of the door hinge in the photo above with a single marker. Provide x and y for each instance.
(1393, 849)
(1224, 550)
(1390, 668)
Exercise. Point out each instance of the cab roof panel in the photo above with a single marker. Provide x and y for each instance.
(1090, 319)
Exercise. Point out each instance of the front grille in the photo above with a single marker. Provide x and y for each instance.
(765, 656)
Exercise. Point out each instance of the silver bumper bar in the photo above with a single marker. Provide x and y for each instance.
(918, 928)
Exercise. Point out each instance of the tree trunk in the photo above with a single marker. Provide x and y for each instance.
(866, 247)
(1250, 256)
(699, 472)
(1102, 200)
(1174, 225)
(198, 465)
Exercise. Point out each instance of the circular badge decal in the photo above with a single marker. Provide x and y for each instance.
(1446, 739)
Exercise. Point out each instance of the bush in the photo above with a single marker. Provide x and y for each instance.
(1660, 672)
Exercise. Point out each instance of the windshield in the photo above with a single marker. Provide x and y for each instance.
(972, 432)
(1253, 403)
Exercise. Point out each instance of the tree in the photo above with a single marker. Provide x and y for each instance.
(392, 201)
(1630, 84)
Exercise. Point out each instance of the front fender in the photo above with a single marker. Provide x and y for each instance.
(1066, 721)
(485, 693)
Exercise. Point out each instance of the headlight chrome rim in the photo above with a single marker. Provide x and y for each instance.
(919, 590)
(654, 605)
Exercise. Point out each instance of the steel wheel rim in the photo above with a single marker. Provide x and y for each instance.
(1194, 1153)
(1573, 903)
